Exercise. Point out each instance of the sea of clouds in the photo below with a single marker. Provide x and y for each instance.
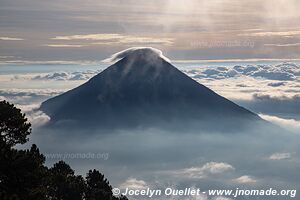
(270, 90)
(156, 159)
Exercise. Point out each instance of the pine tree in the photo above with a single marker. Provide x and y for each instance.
(23, 174)
(64, 184)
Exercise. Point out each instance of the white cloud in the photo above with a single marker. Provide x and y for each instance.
(6, 57)
(118, 56)
(146, 40)
(242, 88)
(115, 39)
(133, 183)
(55, 76)
(207, 169)
(268, 34)
(245, 179)
(63, 76)
(236, 60)
(283, 45)
(273, 74)
(30, 92)
(280, 156)
(90, 37)
(2, 98)
(36, 117)
(11, 39)
(282, 72)
(28, 96)
(65, 45)
(276, 100)
(216, 168)
(45, 62)
(250, 85)
(289, 124)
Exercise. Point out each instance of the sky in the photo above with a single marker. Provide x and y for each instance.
(91, 30)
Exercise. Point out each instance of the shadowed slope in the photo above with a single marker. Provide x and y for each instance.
(143, 89)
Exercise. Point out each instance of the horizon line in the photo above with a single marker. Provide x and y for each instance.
(89, 62)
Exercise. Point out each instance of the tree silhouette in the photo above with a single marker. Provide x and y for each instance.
(14, 127)
(23, 174)
(64, 184)
(97, 186)
(21, 171)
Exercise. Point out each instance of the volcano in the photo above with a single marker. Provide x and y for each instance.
(143, 89)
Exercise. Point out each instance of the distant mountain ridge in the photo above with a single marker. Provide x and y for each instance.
(142, 89)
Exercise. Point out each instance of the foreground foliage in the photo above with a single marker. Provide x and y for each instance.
(23, 174)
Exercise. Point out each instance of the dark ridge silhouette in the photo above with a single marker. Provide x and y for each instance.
(143, 89)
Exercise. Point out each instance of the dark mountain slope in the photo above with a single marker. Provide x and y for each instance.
(143, 89)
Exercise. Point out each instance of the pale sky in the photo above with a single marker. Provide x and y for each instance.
(91, 30)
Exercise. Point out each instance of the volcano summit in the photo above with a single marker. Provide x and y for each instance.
(143, 89)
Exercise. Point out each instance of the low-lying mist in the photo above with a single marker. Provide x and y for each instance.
(158, 158)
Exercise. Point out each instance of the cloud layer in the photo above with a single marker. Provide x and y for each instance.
(280, 72)
(280, 156)
(63, 76)
(211, 168)
(245, 179)
(151, 52)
